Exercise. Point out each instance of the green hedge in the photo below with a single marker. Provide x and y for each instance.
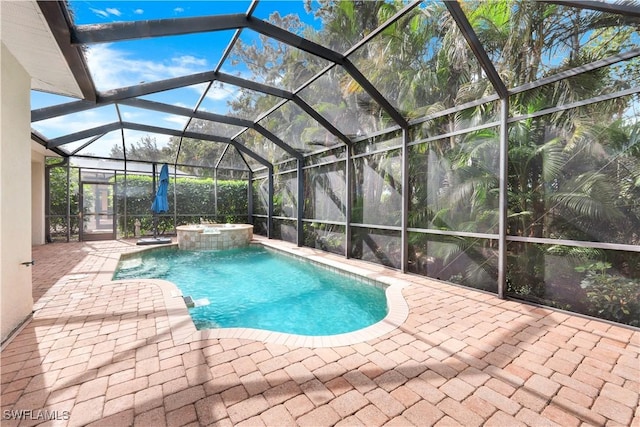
(194, 199)
(57, 209)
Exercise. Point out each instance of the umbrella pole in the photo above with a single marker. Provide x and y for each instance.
(155, 226)
(159, 204)
(155, 215)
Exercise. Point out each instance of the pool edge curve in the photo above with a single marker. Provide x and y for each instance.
(183, 330)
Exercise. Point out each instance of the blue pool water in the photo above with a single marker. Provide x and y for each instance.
(257, 288)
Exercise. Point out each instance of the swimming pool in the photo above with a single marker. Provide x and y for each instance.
(258, 288)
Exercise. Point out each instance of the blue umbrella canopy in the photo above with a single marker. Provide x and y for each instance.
(160, 202)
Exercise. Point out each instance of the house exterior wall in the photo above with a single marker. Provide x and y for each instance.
(16, 300)
(37, 198)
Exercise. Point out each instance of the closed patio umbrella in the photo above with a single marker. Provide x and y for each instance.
(160, 204)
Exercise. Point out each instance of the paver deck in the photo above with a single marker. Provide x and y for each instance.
(123, 353)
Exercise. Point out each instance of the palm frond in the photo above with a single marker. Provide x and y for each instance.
(553, 158)
(591, 197)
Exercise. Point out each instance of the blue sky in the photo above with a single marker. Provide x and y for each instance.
(94, 12)
(127, 63)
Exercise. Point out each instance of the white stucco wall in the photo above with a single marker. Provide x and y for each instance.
(37, 198)
(16, 300)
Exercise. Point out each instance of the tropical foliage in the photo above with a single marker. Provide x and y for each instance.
(573, 173)
(57, 217)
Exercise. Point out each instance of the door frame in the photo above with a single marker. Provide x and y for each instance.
(97, 236)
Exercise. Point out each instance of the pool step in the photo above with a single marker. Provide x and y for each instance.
(139, 268)
(191, 303)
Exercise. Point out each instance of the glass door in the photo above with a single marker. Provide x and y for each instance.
(97, 217)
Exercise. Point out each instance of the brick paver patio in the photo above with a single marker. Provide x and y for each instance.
(109, 353)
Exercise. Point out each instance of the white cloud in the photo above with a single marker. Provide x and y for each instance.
(105, 13)
(179, 120)
(100, 12)
(187, 60)
(178, 10)
(113, 68)
(129, 116)
(138, 11)
(218, 94)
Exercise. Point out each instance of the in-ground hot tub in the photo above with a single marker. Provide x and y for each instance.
(214, 236)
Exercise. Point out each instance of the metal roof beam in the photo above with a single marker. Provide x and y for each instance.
(627, 9)
(572, 72)
(55, 142)
(249, 84)
(187, 112)
(60, 110)
(157, 129)
(171, 109)
(119, 94)
(228, 49)
(221, 156)
(291, 39)
(242, 149)
(154, 87)
(400, 14)
(38, 138)
(296, 41)
(35, 136)
(88, 143)
(58, 21)
(374, 93)
(101, 33)
(474, 43)
(118, 31)
(252, 7)
(320, 119)
(277, 141)
(196, 135)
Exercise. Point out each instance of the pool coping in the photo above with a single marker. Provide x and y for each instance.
(183, 330)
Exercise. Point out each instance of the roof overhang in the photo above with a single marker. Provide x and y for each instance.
(27, 34)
